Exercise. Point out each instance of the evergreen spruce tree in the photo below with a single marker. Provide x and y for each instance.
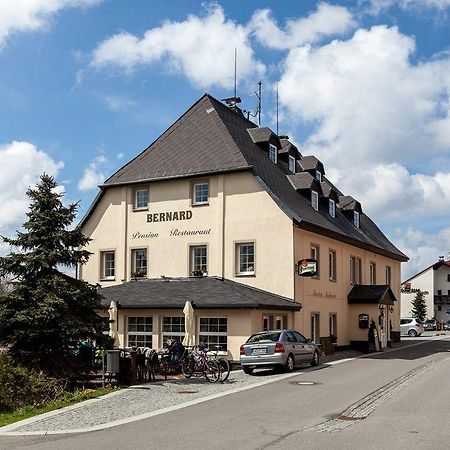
(46, 313)
(419, 310)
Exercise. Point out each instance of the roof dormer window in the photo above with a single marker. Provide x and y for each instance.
(331, 207)
(318, 176)
(291, 163)
(356, 219)
(273, 153)
(315, 200)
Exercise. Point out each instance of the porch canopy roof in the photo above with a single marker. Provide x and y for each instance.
(203, 292)
(364, 294)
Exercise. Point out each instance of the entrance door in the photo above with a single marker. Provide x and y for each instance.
(315, 328)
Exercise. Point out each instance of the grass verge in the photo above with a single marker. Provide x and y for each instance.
(69, 398)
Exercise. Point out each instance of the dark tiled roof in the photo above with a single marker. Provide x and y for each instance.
(303, 180)
(311, 163)
(263, 134)
(368, 294)
(205, 292)
(288, 147)
(196, 143)
(328, 191)
(348, 203)
(210, 138)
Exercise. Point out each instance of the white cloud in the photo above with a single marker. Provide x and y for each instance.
(22, 165)
(325, 21)
(31, 15)
(92, 176)
(377, 6)
(423, 249)
(201, 48)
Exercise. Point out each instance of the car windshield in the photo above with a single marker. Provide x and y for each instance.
(264, 337)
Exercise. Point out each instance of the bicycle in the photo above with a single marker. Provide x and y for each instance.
(198, 363)
(225, 366)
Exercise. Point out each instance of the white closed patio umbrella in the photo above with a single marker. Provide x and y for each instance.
(113, 321)
(189, 330)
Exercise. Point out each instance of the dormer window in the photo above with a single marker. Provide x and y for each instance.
(319, 176)
(315, 200)
(331, 207)
(356, 219)
(273, 153)
(291, 163)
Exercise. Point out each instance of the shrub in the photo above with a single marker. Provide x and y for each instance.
(20, 386)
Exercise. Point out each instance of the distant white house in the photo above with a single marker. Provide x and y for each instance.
(434, 281)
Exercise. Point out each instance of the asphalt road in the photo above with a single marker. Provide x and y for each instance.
(394, 400)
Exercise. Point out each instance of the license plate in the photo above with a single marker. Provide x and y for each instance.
(259, 351)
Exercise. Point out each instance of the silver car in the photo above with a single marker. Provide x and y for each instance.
(278, 349)
(411, 326)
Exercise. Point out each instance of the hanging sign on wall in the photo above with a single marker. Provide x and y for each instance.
(307, 267)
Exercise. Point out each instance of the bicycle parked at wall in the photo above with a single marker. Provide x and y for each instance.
(198, 363)
(174, 359)
(225, 366)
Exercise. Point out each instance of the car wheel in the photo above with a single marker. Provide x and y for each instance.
(315, 359)
(412, 333)
(248, 370)
(290, 364)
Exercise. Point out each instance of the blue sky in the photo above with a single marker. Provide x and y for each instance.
(87, 84)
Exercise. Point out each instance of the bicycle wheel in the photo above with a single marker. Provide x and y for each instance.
(212, 371)
(187, 366)
(225, 368)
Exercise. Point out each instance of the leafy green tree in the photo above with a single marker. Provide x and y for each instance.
(46, 313)
(419, 310)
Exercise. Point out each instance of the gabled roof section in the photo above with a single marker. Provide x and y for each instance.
(288, 147)
(205, 292)
(304, 180)
(197, 143)
(328, 191)
(263, 134)
(371, 294)
(435, 266)
(348, 203)
(310, 162)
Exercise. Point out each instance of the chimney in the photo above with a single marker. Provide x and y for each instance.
(441, 258)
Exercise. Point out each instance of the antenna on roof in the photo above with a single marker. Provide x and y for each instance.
(235, 72)
(257, 113)
(232, 101)
(277, 109)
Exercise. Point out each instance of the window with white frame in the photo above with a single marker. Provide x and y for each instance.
(356, 219)
(213, 332)
(245, 258)
(199, 259)
(373, 273)
(141, 199)
(333, 325)
(291, 163)
(108, 265)
(200, 193)
(139, 262)
(332, 265)
(273, 153)
(355, 270)
(315, 254)
(331, 207)
(139, 331)
(318, 175)
(172, 328)
(388, 275)
(315, 200)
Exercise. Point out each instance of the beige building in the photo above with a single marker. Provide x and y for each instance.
(219, 211)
